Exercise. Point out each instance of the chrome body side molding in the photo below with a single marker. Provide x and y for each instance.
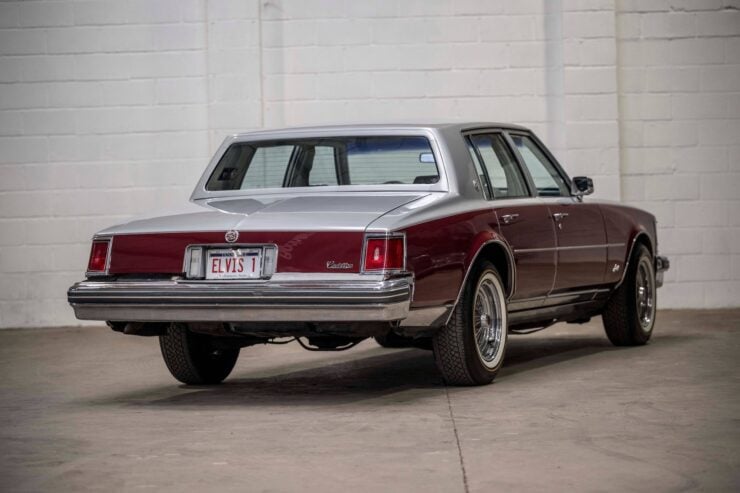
(566, 248)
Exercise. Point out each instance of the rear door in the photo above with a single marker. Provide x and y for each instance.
(522, 221)
(579, 226)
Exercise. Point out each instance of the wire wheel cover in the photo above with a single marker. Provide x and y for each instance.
(645, 294)
(488, 322)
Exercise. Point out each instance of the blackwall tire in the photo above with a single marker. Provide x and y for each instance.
(470, 350)
(193, 359)
(629, 315)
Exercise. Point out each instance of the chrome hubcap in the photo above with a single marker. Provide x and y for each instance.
(488, 325)
(645, 294)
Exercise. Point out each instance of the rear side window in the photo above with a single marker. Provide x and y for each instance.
(505, 179)
(324, 169)
(393, 160)
(267, 168)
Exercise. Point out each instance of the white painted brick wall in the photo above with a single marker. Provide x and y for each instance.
(679, 102)
(104, 114)
(111, 108)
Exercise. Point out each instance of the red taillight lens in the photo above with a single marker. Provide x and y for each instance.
(384, 254)
(98, 256)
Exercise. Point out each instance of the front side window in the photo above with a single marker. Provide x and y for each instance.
(547, 180)
(505, 179)
(392, 160)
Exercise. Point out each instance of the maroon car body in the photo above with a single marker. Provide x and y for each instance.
(413, 234)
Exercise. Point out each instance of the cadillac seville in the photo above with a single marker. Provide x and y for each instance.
(445, 237)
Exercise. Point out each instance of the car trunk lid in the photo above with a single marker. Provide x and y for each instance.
(313, 233)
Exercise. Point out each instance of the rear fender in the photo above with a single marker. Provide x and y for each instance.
(481, 243)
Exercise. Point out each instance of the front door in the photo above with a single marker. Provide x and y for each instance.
(581, 245)
(579, 227)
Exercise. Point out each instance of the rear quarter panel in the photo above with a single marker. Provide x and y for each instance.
(440, 251)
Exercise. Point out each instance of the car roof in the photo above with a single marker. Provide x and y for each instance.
(375, 127)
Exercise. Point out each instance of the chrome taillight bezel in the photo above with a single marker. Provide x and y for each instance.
(382, 236)
(109, 248)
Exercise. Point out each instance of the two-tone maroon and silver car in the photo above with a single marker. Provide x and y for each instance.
(439, 236)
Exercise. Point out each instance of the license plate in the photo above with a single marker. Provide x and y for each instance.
(234, 263)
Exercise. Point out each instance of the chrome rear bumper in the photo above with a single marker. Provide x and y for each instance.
(200, 301)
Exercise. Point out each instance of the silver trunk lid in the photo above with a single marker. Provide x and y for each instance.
(350, 211)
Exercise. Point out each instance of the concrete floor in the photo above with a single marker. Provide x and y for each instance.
(88, 409)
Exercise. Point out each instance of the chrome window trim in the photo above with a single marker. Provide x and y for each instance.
(532, 192)
(443, 185)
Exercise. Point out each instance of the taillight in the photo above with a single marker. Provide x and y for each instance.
(98, 256)
(385, 253)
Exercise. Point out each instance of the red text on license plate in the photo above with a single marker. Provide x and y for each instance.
(233, 264)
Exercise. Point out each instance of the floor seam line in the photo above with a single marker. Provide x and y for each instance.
(457, 441)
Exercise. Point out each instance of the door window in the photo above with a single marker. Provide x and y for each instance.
(547, 179)
(504, 176)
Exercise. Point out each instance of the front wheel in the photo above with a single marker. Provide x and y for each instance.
(470, 349)
(629, 315)
(193, 358)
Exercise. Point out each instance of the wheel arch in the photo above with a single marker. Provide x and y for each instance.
(498, 252)
(640, 238)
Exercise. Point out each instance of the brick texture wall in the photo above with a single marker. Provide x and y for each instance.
(110, 109)
(679, 107)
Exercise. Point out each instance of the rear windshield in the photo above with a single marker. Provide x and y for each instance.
(332, 161)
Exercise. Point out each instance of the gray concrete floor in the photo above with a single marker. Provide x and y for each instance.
(88, 409)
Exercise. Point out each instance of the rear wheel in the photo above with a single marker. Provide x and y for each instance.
(195, 359)
(629, 315)
(470, 349)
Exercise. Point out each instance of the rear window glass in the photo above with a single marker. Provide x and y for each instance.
(392, 160)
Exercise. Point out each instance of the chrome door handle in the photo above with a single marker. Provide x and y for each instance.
(558, 216)
(509, 218)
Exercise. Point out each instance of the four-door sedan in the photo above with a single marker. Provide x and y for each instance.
(440, 236)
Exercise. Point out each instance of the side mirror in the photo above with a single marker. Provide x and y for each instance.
(582, 185)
